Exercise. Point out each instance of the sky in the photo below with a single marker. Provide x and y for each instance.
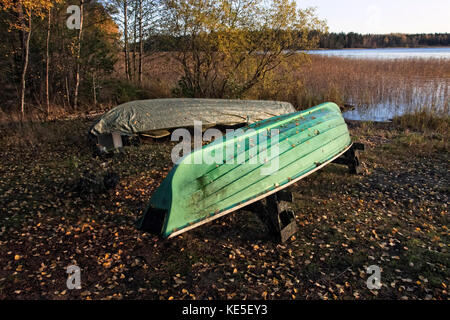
(383, 16)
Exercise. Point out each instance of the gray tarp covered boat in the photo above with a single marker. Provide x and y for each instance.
(154, 118)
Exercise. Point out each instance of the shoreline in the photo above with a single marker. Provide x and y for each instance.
(426, 47)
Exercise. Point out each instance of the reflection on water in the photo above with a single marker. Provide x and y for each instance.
(421, 96)
(383, 97)
(387, 53)
(379, 112)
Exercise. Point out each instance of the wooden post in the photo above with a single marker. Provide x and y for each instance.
(273, 213)
(351, 158)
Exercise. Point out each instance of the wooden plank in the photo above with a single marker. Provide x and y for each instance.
(242, 205)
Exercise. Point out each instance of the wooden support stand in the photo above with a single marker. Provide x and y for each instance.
(274, 210)
(351, 158)
(275, 214)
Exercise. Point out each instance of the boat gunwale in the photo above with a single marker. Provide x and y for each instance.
(269, 125)
(281, 168)
(272, 158)
(257, 198)
(298, 128)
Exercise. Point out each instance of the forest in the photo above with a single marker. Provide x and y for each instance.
(48, 65)
(356, 40)
(211, 47)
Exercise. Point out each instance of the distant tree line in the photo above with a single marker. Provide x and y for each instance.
(165, 42)
(357, 40)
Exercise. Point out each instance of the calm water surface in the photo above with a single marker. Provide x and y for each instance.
(388, 53)
(388, 110)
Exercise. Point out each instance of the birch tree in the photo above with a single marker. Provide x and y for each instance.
(125, 26)
(141, 41)
(47, 60)
(78, 55)
(120, 11)
(25, 10)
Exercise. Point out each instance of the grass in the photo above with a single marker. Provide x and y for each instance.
(422, 132)
(424, 122)
(34, 133)
(413, 84)
(394, 215)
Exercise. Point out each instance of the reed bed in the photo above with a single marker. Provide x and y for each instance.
(420, 87)
(411, 84)
(408, 83)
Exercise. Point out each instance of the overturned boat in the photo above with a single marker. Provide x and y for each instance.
(245, 166)
(156, 118)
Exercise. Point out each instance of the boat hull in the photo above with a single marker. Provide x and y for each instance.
(165, 114)
(156, 118)
(246, 166)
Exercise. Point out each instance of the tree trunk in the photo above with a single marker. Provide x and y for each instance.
(95, 88)
(125, 27)
(135, 39)
(25, 67)
(80, 37)
(141, 42)
(47, 63)
(67, 91)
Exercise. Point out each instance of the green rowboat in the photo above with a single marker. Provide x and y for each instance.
(245, 166)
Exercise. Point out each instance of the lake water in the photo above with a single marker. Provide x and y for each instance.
(388, 110)
(422, 94)
(380, 112)
(388, 53)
